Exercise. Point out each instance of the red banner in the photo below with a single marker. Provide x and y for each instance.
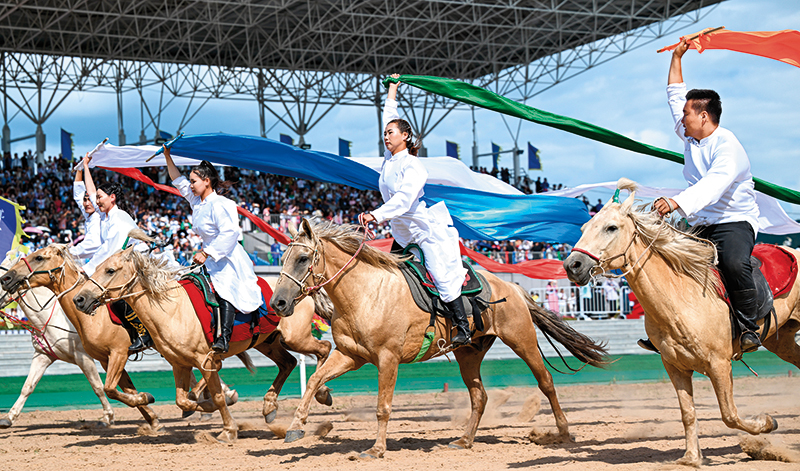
(260, 223)
(782, 46)
(537, 269)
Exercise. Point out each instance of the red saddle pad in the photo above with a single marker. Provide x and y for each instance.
(779, 267)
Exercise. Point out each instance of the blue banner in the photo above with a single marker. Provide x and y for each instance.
(66, 145)
(344, 147)
(495, 155)
(452, 149)
(477, 215)
(533, 158)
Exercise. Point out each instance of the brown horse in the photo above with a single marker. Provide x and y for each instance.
(689, 323)
(167, 312)
(54, 268)
(377, 321)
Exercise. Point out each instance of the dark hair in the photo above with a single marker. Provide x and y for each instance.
(114, 188)
(207, 170)
(708, 101)
(403, 126)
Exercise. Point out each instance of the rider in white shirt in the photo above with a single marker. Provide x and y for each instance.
(401, 184)
(91, 215)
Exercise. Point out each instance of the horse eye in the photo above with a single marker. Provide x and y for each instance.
(302, 259)
(39, 258)
(611, 228)
(110, 271)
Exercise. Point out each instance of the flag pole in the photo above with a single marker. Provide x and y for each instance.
(91, 153)
(167, 144)
(695, 36)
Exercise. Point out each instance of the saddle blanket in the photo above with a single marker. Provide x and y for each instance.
(267, 319)
(779, 267)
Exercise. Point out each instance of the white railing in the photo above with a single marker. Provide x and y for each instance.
(587, 302)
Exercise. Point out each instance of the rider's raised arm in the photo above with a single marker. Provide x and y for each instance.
(174, 173)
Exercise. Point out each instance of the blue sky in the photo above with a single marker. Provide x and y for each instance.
(761, 105)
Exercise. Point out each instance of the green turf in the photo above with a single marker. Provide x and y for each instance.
(73, 391)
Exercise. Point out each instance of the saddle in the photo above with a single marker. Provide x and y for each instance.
(246, 326)
(476, 289)
(774, 274)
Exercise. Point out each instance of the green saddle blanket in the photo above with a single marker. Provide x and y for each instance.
(472, 283)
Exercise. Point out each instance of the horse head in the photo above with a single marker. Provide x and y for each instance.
(41, 268)
(299, 262)
(605, 239)
(110, 280)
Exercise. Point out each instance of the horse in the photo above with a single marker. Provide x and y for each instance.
(167, 312)
(53, 267)
(376, 321)
(670, 272)
(53, 338)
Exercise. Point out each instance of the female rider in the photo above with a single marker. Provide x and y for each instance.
(87, 201)
(215, 220)
(401, 183)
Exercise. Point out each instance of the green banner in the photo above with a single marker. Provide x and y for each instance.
(480, 97)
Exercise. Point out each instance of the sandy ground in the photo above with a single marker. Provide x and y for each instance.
(630, 426)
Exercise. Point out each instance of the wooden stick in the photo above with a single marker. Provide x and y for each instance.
(695, 36)
(91, 153)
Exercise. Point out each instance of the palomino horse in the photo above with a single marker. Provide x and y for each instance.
(54, 338)
(54, 268)
(671, 274)
(377, 321)
(167, 312)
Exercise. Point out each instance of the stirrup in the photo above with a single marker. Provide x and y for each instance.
(456, 342)
(749, 342)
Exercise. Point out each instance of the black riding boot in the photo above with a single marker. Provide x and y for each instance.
(460, 322)
(225, 326)
(745, 307)
(140, 337)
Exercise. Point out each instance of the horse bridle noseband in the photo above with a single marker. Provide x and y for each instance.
(104, 298)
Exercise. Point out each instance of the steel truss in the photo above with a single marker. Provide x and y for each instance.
(299, 59)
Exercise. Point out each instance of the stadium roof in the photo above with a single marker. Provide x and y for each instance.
(458, 39)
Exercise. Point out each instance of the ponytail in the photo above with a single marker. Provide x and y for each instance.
(207, 170)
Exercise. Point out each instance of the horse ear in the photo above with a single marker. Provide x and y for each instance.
(626, 205)
(292, 228)
(305, 227)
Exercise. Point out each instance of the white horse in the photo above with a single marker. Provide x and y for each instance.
(54, 338)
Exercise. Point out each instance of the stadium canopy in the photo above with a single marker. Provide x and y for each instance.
(298, 59)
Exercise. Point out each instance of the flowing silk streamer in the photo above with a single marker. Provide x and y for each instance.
(536, 269)
(260, 223)
(482, 98)
(782, 46)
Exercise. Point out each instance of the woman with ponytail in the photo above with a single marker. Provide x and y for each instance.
(215, 220)
(431, 228)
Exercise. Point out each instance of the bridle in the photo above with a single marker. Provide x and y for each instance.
(104, 297)
(49, 272)
(307, 290)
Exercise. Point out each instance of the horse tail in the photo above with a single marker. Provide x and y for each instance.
(248, 362)
(323, 305)
(581, 346)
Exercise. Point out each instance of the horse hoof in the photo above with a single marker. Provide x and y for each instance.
(5, 423)
(101, 424)
(270, 417)
(228, 436)
(232, 399)
(149, 397)
(206, 416)
(187, 413)
(455, 445)
(366, 456)
(293, 436)
(774, 424)
(323, 396)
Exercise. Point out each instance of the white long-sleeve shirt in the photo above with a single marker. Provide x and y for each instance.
(114, 229)
(216, 221)
(91, 238)
(717, 169)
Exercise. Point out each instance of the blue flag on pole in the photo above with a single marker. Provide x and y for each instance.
(495, 155)
(344, 147)
(66, 145)
(533, 158)
(452, 149)
(287, 139)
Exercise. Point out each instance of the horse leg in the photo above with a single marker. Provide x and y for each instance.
(86, 364)
(784, 345)
(682, 382)
(721, 378)
(387, 379)
(38, 366)
(528, 350)
(286, 363)
(299, 339)
(230, 430)
(469, 362)
(126, 383)
(338, 364)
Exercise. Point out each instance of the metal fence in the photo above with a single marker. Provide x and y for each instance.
(585, 302)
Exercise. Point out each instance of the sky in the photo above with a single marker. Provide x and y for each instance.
(760, 98)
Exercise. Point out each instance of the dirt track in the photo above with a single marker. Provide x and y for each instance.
(632, 426)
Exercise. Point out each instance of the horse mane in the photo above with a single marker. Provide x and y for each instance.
(153, 274)
(347, 238)
(683, 252)
(70, 261)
